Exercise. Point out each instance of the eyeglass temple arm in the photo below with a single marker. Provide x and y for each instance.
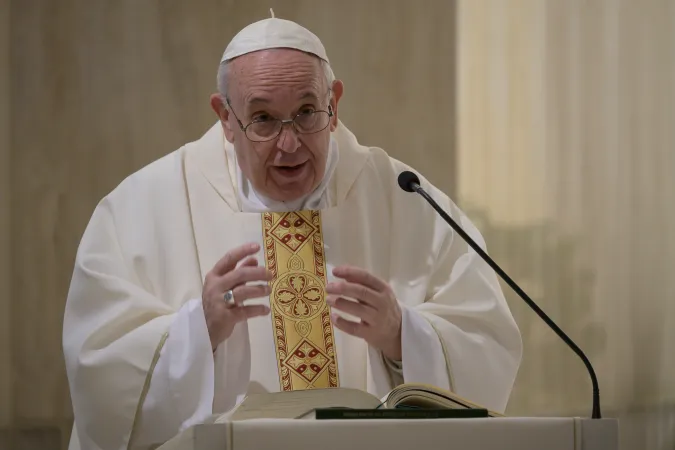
(241, 125)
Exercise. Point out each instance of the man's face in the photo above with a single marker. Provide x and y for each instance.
(279, 84)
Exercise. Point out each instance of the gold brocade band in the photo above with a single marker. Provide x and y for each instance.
(303, 331)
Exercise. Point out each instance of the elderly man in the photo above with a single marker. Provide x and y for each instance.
(274, 253)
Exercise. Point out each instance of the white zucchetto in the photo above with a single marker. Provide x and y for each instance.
(274, 33)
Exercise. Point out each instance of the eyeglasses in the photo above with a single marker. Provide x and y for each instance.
(265, 129)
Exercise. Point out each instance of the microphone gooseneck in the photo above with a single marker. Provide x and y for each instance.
(410, 182)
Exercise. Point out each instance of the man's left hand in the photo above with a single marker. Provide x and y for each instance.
(373, 302)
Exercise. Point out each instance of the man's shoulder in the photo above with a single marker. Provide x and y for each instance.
(151, 188)
(155, 177)
(375, 163)
(377, 182)
(381, 161)
(165, 172)
(366, 163)
(384, 168)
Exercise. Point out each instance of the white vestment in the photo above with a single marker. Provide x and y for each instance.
(138, 355)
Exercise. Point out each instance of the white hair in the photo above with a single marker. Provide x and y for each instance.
(222, 78)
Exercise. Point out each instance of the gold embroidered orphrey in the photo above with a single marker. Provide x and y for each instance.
(303, 331)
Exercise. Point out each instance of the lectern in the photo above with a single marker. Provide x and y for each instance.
(402, 434)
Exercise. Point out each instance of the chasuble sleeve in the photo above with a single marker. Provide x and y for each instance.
(114, 329)
(181, 393)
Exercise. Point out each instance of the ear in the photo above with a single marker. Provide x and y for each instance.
(338, 89)
(218, 105)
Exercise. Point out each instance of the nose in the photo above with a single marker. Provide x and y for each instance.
(288, 140)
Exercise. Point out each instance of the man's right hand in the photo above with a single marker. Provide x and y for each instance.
(225, 275)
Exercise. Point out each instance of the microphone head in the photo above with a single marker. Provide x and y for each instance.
(407, 181)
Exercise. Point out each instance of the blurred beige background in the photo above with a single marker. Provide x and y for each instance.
(550, 121)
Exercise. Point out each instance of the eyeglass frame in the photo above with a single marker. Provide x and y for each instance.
(283, 121)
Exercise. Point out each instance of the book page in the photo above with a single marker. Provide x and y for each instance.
(298, 404)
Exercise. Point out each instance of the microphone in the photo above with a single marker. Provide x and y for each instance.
(410, 182)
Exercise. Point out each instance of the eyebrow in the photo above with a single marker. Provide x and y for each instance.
(257, 100)
(303, 96)
(308, 94)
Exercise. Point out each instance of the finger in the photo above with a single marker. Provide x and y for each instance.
(361, 276)
(251, 311)
(243, 293)
(352, 328)
(363, 312)
(243, 275)
(251, 261)
(358, 292)
(228, 262)
(241, 313)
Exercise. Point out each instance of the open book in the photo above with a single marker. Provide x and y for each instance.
(302, 404)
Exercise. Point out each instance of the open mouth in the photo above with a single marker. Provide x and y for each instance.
(291, 170)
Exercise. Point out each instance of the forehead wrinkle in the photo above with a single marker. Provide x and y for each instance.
(270, 96)
(260, 76)
(261, 95)
(272, 81)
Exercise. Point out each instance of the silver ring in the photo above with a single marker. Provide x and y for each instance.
(229, 298)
